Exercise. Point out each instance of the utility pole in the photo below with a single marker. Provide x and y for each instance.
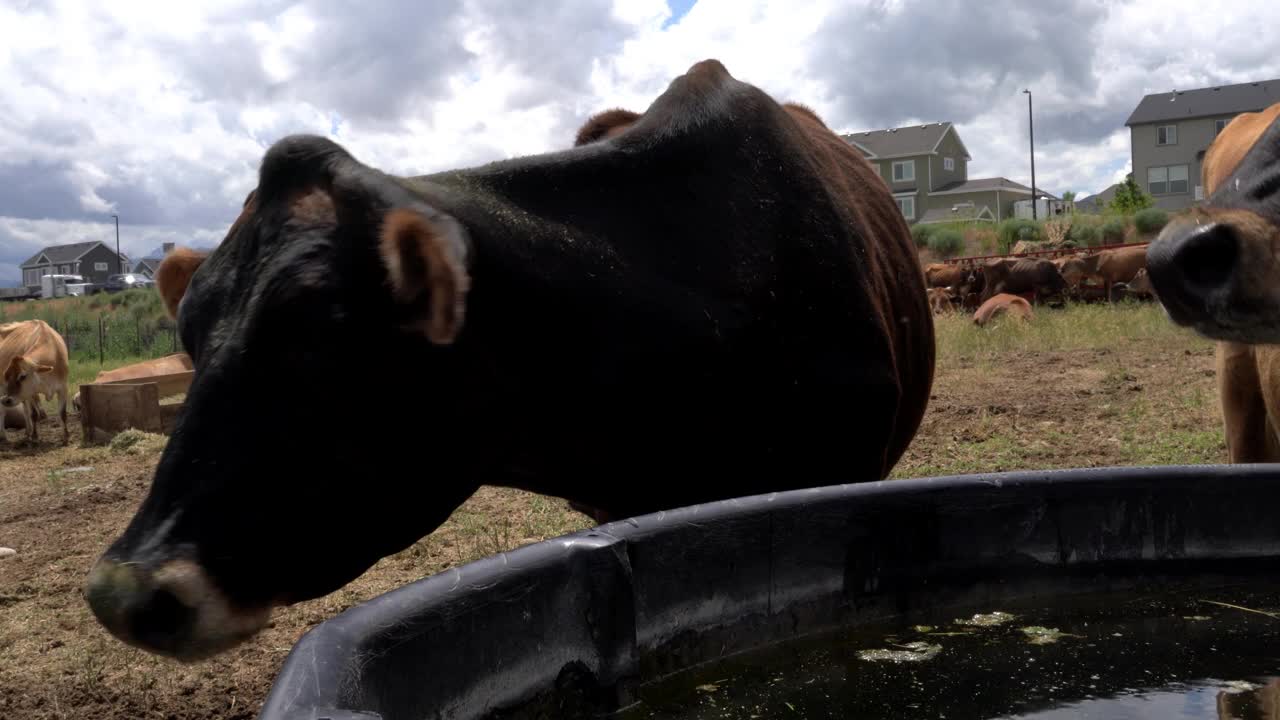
(1031, 127)
(119, 257)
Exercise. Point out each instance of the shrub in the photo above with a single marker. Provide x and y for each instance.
(1129, 198)
(1113, 231)
(920, 234)
(1150, 221)
(1017, 229)
(946, 242)
(1087, 235)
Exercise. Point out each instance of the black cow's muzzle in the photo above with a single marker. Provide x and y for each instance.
(173, 610)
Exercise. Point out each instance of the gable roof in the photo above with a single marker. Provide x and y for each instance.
(904, 141)
(1098, 200)
(956, 213)
(149, 263)
(55, 254)
(1206, 102)
(987, 185)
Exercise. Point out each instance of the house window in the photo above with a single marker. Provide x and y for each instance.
(1219, 126)
(99, 267)
(33, 277)
(904, 171)
(1170, 179)
(1167, 135)
(907, 205)
(66, 269)
(877, 167)
(948, 164)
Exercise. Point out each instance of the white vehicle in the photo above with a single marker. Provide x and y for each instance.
(53, 286)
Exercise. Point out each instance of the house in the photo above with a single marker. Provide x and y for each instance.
(93, 261)
(1098, 202)
(1169, 133)
(147, 265)
(927, 169)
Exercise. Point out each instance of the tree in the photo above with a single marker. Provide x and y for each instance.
(1130, 198)
(1068, 196)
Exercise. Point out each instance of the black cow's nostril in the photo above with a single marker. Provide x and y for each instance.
(162, 620)
(1208, 256)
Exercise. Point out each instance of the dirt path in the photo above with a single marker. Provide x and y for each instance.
(60, 507)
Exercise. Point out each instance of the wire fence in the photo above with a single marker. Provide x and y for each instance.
(114, 336)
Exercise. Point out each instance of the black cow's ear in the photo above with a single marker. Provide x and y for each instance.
(426, 258)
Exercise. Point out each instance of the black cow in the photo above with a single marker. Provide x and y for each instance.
(720, 301)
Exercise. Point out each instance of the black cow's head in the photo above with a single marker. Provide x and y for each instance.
(335, 288)
(1216, 267)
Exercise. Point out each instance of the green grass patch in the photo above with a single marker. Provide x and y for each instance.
(1075, 327)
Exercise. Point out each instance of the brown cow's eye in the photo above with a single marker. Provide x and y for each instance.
(22, 377)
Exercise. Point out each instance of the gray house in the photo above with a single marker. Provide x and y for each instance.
(1169, 133)
(93, 261)
(927, 169)
(147, 265)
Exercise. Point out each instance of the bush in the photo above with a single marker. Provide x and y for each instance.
(946, 243)
(1150, 221)
(1087, 235)
(1113, 231)
(920, 234)
(1017, 229)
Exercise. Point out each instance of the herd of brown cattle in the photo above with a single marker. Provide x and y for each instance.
(994, 287)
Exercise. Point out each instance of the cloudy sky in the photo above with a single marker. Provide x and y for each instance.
(160, 111)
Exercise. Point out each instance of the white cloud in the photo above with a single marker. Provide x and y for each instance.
(161, 112)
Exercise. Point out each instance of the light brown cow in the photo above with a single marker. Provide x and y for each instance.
(940, 300)
(1003, 304)
(1116, 266)
(34, 361)
(1140, 286)
(940, 275)
(167, 365)
(1215, 268)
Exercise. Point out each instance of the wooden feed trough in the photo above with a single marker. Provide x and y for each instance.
(108, 408)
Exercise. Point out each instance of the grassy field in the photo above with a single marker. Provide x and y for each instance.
(1084, 386)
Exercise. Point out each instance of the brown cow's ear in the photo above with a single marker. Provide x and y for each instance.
(426, 260)
(174, 274)
(44, 368)
(605, 124)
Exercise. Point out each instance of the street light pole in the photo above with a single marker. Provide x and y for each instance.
(119, 257)
(1031, 127)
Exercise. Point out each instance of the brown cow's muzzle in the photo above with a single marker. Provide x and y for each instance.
(173, 610)
(1194, 266)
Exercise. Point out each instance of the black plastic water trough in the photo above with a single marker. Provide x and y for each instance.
(578, 623)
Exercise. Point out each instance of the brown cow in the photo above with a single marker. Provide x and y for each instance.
(1215, 269)
(1018, 276)
(1140, 286)
(1116, 266)
(33, 360)
(1002, 304)
(940, 300)
(167, 365)
(941, 275)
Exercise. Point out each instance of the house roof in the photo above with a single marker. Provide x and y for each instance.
(987, 185)
(62, 253)
(150, 263)
(1206, 102)
(1098, 200)
(956, 213)
(904, 141)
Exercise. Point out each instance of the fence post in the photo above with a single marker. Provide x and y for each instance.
(173, 333)
(101, 357)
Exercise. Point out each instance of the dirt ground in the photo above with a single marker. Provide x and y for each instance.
(60, 507)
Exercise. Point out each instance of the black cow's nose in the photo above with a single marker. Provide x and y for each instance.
(129, 602)
(1189, 263)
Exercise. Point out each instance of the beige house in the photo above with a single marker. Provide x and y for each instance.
(927, 169)
(1169, 133)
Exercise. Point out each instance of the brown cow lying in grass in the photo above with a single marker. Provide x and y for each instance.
(1003, 304)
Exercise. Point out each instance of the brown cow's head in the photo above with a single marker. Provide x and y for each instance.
(329, 266)
(20, 381)
(1215, 268)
